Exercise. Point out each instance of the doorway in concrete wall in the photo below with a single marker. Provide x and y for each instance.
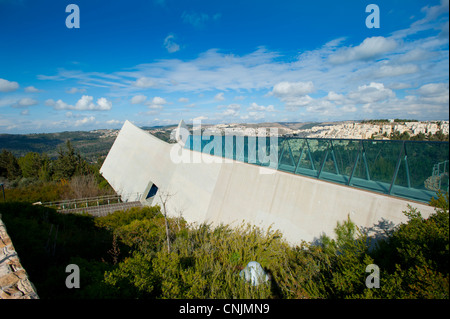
(152, 189)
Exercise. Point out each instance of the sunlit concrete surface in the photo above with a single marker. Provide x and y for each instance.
(210, 189)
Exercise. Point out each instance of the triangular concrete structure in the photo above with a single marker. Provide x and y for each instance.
(207, 190)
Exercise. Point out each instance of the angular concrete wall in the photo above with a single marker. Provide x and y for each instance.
(208, 189)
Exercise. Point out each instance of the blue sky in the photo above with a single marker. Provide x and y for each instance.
(156, 62)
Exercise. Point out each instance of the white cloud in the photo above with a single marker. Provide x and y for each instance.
(183, 100)
(8, 86)
(7, 101)
(75, 90)
(368, 49)
(25, 102)
(83, 104)
(232, 106)
(255, 116)
(257, 112)
(7, 124)
(158, 100)
(391, 71)
(256, 107)
(84, 121)
(138, 99)
(335, 43)
(144, 82)
(432, 20)
(170, 44)
(333, 96)
(290, 89)
(399, 86)
(31, 89)
(434, 93)
(231, 110)
(298, 101)
(416, 54)
(104, 104)
(199, 118)
(374, 92)
(434, 89)
(431, 13)
(322, 107)
(219, 97)
(212, 70)
(114, 122)
(58, 105)
(156, 103)
(294, 94)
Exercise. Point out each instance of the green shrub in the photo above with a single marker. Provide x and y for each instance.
(125, 255)
(415, 258)
(204, 262)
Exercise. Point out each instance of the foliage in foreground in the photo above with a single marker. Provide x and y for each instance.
(413, 259)
(124, 255)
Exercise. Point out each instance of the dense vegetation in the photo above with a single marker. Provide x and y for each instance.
(35, 177)
(124, 255)
(90, 144)
(438, 136)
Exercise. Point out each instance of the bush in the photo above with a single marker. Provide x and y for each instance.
(413, 260)
(415, 257)
(125, 255)
(203, 262)
(37, 192)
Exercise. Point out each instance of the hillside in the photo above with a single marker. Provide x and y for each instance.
(91, 145)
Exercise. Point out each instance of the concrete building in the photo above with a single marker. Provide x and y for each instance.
(206, 188)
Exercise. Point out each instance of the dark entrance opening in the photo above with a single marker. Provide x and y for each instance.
(152, 192)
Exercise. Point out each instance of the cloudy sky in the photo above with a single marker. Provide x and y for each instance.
(155, 62)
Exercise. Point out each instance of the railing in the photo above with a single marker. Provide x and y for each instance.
(87, 202)
(414, 170)
(439, 176)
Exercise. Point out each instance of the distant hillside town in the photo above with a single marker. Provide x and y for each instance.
(369, 129)
(379, 129)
